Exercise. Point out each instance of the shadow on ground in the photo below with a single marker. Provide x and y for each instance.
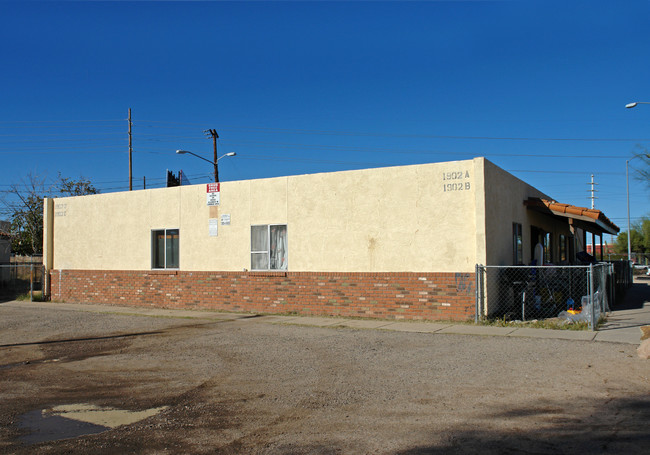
(8, 297)
(636, 295)
(615, 426)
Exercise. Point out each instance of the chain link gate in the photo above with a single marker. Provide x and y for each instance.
(21, 278)
(578, 293)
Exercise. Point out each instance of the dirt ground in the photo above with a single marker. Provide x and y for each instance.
(250, 386)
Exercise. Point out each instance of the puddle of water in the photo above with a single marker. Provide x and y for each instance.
(108, 417)
(74, 420)
(42, 427)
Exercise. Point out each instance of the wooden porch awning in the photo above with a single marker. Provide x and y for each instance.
(590, 220)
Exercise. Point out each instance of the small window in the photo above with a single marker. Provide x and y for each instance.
(269, 247)
(164, 248)
(517, 244)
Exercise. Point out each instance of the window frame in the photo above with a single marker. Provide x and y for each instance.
(268, 247)
(564, 248)
(547, 243)
(164, 259)
(517, 244)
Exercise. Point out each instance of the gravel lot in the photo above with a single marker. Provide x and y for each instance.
(250, 386)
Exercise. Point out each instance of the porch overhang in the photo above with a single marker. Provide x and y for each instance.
(590, 220)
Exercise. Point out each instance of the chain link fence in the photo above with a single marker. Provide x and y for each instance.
(21, 278)
(524, 293)
(641, 259)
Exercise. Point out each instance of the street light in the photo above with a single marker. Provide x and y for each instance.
(627, 183)
(634, 104)
(214, 163)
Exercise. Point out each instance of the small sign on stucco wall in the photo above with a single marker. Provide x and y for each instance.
(225, 219)
(213, 227)
(213, 193)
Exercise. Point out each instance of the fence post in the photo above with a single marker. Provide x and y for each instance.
(477, 280)
(31, 282)
(630, 275)
(605, 302)
(612, 285)
(46, 283)
(591, 297)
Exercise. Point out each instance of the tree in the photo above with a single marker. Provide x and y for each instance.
(643, 174)
(645, 233)
(639, 238)
(81, 187)
(23, 204)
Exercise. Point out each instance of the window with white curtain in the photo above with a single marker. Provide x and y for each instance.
(269, 247)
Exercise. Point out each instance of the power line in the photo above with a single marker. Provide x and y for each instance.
(422, 136)
(67, 150)
(41, 140)
(561, 172)
(171, 124)
(344, 148)
(61, 121)
(54, 134)
(93, 126)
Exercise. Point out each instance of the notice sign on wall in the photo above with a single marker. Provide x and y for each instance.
(225, 219)
(213, 227)
(213, 194)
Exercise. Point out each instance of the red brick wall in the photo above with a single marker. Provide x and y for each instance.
(433, 296)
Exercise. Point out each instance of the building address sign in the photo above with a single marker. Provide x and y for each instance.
(456, 181)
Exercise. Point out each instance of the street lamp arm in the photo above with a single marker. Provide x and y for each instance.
(227, 154)
(183, 152)
(214, 163)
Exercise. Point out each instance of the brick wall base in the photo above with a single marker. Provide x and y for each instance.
(432, 296)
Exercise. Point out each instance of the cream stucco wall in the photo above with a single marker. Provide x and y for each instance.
(505, 195)
(390, 219)
(407, 218)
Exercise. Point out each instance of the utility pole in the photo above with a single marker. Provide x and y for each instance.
(593, 206)
(130, 155)
(215, 136)
(593, 192)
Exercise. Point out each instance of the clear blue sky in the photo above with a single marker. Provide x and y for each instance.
(539, 88)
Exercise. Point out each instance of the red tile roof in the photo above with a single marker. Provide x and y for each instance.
(572, 211)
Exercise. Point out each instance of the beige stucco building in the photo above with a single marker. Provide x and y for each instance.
(429, 222)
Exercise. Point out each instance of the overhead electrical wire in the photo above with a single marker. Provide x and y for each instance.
(273, 130)
(420, 136)
(84, 145)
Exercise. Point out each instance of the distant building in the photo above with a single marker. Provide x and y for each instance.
(601, 250)
(395, 242)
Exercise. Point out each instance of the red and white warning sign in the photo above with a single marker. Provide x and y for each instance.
(213, 194)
